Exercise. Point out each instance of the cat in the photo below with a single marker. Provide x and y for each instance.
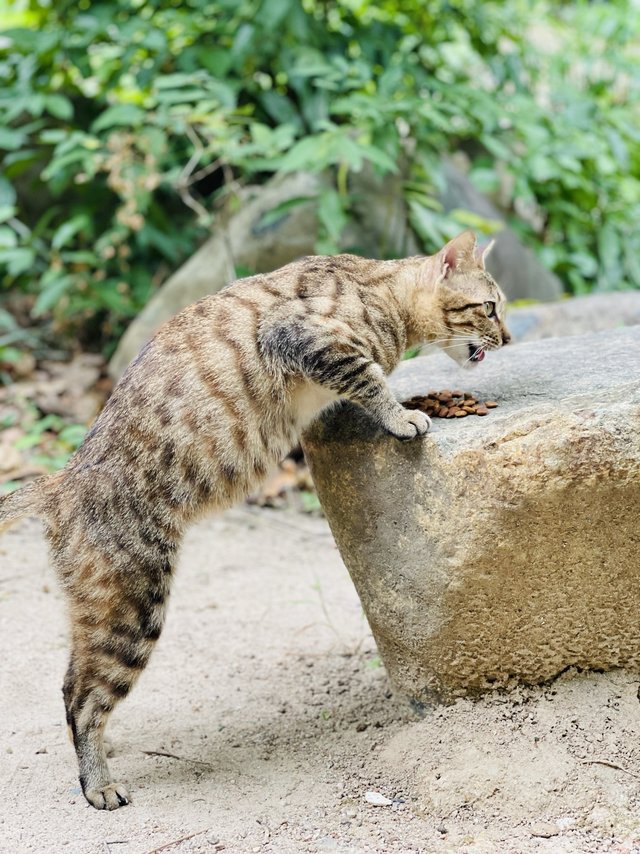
(211, 403)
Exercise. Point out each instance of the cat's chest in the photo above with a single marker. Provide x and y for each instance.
(308, 400)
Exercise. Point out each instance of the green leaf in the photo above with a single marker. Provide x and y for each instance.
(6, 212)
(475, 221)
(7, 194)
(380, 158)
(119, 115)
(8, 237)
(175, 81)
(59, 106)
(68, 230)
(72, 435)
(11, 139)
(18, 260)
(332, 215)
(271, 12)
(308, 153)
(50, 295)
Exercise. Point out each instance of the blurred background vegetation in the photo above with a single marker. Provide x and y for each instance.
(126, 126)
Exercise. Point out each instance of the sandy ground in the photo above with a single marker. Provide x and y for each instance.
(265, 717)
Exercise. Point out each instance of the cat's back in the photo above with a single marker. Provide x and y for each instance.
(217, 339)
(202, 377)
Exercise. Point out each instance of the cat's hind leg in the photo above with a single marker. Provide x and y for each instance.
(117, 610)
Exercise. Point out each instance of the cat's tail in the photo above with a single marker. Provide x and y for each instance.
(24, 502)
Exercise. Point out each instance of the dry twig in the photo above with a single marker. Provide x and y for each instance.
(609, 764)
(177, 841)
(180, 758)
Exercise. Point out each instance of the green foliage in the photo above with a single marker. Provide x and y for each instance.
(46, 443)
(125, 125)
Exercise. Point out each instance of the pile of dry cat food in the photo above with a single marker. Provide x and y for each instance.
(450, 404)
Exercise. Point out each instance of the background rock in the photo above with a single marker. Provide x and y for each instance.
(513, 265)
(499, 548)
(593, 313)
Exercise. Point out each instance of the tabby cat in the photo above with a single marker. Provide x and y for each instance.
(220, 394)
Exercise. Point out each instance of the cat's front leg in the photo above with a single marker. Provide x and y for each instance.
(330, 354)
(369, 388)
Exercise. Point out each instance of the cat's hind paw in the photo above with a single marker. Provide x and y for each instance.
(108, 797)
(409, 424)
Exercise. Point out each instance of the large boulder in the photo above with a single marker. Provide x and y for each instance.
(593, 313)
(502, 548)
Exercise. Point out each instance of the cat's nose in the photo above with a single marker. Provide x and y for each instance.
(506, 337)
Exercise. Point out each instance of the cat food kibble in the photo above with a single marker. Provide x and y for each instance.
(449, 404)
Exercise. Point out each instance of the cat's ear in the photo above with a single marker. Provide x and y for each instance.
(482, 252)
(458, 253)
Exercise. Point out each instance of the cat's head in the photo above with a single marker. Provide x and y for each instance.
(467, 304)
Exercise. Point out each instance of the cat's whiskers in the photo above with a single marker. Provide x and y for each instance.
(452, 339)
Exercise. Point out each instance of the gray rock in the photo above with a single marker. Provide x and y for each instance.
(515, 266)
(576, 316)
(380, 228)
(499, 549)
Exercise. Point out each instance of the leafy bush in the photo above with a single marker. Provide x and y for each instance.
(125, 125)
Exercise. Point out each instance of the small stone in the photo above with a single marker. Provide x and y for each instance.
(377, 800)
(490, 404)
(460, 413)
(544, 829)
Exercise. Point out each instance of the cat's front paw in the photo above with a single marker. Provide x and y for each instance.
(408, 424)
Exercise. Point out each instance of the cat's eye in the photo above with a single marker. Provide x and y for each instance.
(490, 309)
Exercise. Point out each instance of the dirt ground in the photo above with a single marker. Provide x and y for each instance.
(265, 718)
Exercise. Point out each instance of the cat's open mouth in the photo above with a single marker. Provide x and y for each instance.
(476, 353)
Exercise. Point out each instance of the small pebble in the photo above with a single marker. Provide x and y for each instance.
(377, 800)
(544, 829)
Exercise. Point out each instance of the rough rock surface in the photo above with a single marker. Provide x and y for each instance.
(499, 549)
(593, 313)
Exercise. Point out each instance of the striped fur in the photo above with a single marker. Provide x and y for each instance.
(218, 396)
